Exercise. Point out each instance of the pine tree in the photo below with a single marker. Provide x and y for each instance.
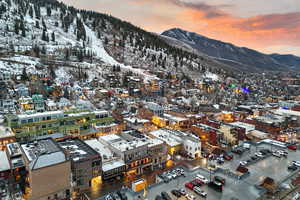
(31, 11)
(44, 36)
(44, 24)
(48, 11)
(37, 24)
(23, 29)
(24, 76)
(17, 27)
(53, 37)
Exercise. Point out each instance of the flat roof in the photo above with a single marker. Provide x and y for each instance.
(43, 153)
(165, 136)
(113, 164)
(174, 118)
(5, 132)
(286, 112)
(27, 116)
(244, 125)
(77, 149)
(102, 149)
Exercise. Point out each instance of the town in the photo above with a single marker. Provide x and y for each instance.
(93, 107)
(137, 138)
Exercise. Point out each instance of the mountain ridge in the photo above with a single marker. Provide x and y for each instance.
(222, 50)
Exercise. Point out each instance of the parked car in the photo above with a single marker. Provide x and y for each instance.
(190, 197)
(202, 178)
(276, 154)
(228, 157)
(216, 186)
(243, 163)
(292, 147)
(297, 163)
(122, 195)
(165, 196)
(200, 192)
(259, 154)
(189, 185)
(116, 196)
(292, 167)
(176, 193)
(220, 179)
(182, 191)
(109, 197)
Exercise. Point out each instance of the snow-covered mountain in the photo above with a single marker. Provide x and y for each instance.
(239, 57)
(40, 35)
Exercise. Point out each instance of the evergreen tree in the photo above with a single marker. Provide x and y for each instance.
(44, 35)
(44, 24)
(17, 28)
(31, 11)
(49, 11)
(24, 76)
(23, 29)
(37, 24)
(53, 37)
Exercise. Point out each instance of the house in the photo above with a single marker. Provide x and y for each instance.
(38, 102)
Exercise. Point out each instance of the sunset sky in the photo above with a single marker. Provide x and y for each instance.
(266, 25)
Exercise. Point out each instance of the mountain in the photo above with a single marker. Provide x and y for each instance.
(47, 36)
(239, 57)
(289, 60)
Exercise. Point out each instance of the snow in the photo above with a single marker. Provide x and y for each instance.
(212, 76)
(98, 49)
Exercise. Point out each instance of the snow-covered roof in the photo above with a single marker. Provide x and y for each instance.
(43, 153)
(5, 132)
(4, 166)
(113, 164)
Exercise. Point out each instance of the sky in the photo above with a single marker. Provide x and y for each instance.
(269, 26)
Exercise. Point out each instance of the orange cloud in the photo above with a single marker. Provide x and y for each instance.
(253, 32)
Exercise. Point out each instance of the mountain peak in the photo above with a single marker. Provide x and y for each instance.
(231, 54)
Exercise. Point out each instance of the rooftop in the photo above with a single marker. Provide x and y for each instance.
(43, 153)
(77, 149)
(5, 132)
(101, 148)
(4, 162)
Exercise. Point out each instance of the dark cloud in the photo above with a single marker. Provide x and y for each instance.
(209, 11)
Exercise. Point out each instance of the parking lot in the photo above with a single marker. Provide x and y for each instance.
(271, 166)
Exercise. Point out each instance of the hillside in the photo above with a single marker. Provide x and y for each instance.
(239, 57)
(88, 44)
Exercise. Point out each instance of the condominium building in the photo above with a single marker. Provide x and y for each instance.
(77, 123)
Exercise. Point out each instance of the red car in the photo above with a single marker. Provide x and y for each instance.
(292, 147)
(197, 182)
(227, 157)
(189, 185)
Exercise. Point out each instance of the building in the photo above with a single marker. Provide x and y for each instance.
(38, 102)
(179, 142)
(6, 137)
(4, 167)
(155, 108)
(17, 166)
(112, 165)
(207, 134)
(139, 152)
(232, 135)
(85, 163)
(76, 123)
(49, 170)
